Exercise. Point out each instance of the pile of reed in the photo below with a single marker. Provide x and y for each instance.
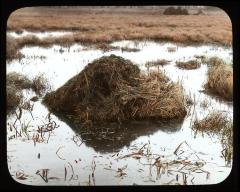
(112, 89)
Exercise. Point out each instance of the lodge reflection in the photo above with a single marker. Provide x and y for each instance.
(113, 136)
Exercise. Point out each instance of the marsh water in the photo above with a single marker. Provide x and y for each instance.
(72, 157)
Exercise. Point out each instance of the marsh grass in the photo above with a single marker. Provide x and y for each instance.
(205, 103)
(12, 51)
(110, 25)
(213, 123)
(172, 49)
(159, 62)
(213, 61)
(219, 123)
(220, 81)
(14, 97)
(40, 84)
(191, 64)
(16, 82)
(128, 49)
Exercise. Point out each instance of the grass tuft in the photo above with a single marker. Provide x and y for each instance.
(218, 123)
(220, 81)
(192, 64)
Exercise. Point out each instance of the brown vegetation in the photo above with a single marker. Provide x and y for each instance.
(12, 51)
(107, 26)
(17, 82)
(40, 84)
(128, 49)
(218, 123)
(111, 89)
(213, 123)
(192, 64)
(220, 81)
(14, 97)
(172, 49)
(175, 11)
(213, 61)
(157, 63)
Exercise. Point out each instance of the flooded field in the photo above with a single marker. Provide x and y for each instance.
(43, 149)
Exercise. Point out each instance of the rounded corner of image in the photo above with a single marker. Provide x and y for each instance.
(11, 176)
(15, 11)
(224, 12)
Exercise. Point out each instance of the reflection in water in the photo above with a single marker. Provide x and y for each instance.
(114, 136)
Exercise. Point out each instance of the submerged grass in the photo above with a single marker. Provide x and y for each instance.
(213, 123)
(111, 89)
(192, 64)
(220, 81)
(218, 123)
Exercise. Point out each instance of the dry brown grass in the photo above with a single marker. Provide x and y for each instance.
(192, 64)
(219, 123)
(111, 89)
(129, 49)
(213, 61)
(172, 49)
(12, 51)
(14, 97)
(94, 26)
(214, 122)
(157, 63)
(220, 81)
(17, 82)
(40, 84)
(175, 11)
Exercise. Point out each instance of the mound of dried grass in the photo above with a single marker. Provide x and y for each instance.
(192, 64)
(220, 81)
(111, 89)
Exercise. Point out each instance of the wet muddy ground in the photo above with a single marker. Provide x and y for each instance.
(44, 150)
